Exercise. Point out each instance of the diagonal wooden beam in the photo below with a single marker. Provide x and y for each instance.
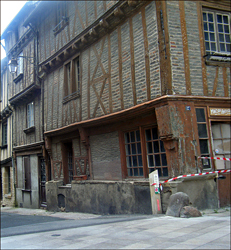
(99, 98)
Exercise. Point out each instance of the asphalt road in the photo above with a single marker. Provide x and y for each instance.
(17, 224)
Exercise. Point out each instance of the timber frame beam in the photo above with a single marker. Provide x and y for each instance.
(106, 23)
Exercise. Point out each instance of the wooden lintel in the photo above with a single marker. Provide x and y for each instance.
(118, 12)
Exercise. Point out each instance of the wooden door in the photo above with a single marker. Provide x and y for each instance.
(42, 183)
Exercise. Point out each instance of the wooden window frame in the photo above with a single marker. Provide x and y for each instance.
(4, 134)
(216, 56)
(61, 18)
(207, 138)
(72, 79)
(144, 154)
(30, 122)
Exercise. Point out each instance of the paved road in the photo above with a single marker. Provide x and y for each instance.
(54, 231)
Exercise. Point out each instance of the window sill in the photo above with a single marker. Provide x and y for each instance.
(26, 190)
(70, 97)
(18, 78)
(218, 59)
(29, 130)
(8, 196)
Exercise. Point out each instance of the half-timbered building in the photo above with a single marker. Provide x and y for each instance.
(7, 168)
(24, 95)
(123, 88)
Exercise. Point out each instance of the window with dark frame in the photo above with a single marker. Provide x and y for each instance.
(30, 114)
(71, 79)
(61, 16)
(20, 64)
(4, 134)
(155, 153)
(216, 31)
(203, 136)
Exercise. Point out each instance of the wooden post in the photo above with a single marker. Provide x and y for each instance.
(155, 192)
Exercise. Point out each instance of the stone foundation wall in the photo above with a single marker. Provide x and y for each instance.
(99, 197)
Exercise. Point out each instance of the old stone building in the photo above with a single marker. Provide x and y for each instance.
(120, 89)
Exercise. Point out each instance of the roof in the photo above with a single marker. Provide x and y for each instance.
(27, 8)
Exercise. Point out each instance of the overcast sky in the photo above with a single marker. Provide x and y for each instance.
(9, 9)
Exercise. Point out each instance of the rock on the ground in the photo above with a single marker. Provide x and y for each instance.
(176, 202)
(188, 211)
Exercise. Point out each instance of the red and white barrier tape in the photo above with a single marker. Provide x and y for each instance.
(215, 158)
(190, 175)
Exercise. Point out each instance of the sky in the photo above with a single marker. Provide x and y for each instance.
(9, 9)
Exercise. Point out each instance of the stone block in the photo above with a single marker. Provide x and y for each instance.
(176, 203)
(188, 211)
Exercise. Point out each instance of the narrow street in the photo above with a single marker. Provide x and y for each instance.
(48, 230)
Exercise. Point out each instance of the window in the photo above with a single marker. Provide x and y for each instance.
(142, 160)
(71, 79)
(30, 114)
(27, 173)
(156, 152)
(203, 136)
(20, 64)
(216, 31)
(221, 143)
(61, 16)
(4, 134)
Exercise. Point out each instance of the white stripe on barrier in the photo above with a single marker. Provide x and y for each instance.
(190, 175)
(215, 158)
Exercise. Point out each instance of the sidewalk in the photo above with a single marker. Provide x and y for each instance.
(44, 212)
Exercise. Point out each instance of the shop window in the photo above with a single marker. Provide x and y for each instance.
(221, 143)
(203, 136)
(142, 159)
(61, 16)
(71, 79)
(4, 134)
(26, 173)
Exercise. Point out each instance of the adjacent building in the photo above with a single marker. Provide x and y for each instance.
(113, 90)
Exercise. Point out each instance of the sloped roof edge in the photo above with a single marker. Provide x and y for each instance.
(28, 6)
